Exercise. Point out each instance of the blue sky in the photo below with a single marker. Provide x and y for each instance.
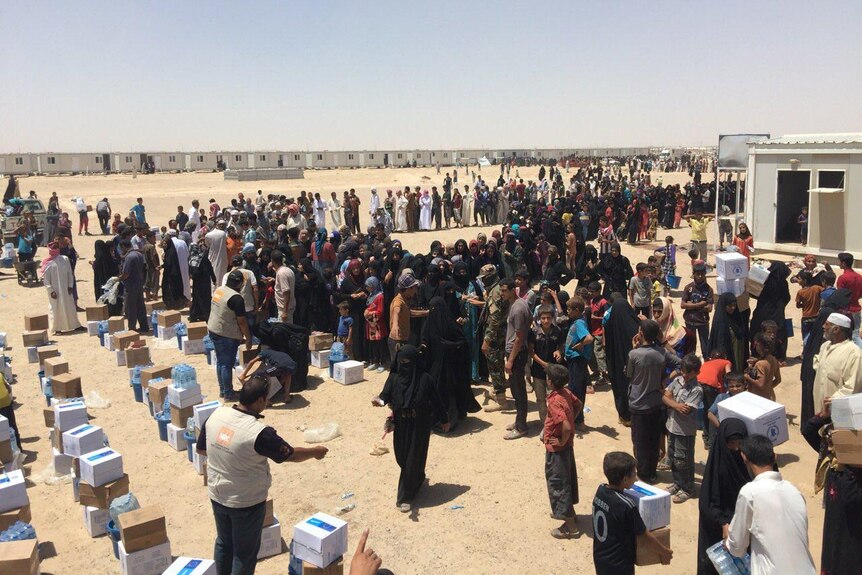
(159, 75)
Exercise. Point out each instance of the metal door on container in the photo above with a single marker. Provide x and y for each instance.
(187, 159)
(158, 161)
(309, 161)
(251, 160)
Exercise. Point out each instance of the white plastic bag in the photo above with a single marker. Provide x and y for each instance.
(49, 476)
(95, 401)
(322, 434)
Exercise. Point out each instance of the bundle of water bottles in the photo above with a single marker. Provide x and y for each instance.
(154, 321)
(181, 329)
(136, 373)
(184, 376)
(18, 531)
(727, 564)
(103, 331)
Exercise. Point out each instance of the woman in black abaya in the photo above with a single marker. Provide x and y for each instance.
(616, 270)
(311, 292)
(445, 346)
(202, 276)
(771, 302)
(416, 407)
(621, 327)
(723, 477)
(104, 268)
(173, 293)
(837, 302)
(729, 333)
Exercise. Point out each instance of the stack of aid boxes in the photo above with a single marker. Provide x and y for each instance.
(116, 324)
(654, 508)
(193, 341)
(183, 401)
(201, 413)
(121, 341)
(167, 320)
(847, 423)
(319, 542)
(14, 506)
(151, 307)
(67, 416)
(732, 270)
(100, 480)
(5, 443)
(95, 314)
(270, 537)
(36, 337)
(144, 547)
(319, 345)
(147, 375)
(80, 442)
(19, 557)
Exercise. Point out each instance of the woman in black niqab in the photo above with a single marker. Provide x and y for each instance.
(723, 477)
(837, 302)
(771, 302)
(621, 327)
(729, 332)
(416, 407)
(105, 267)
(445, 346)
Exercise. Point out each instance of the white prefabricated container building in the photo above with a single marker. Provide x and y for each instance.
(817, 171)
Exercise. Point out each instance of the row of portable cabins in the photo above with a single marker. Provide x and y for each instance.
(66, 163)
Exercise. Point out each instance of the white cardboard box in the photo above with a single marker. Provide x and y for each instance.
(4, 429)
(70, 415)
(653, 504)
(62, 462)
(191, 566)
(320, 358)
(270, 540)
(847, 412)
(184, 396)
(731, 265)
(759, 414)
(176, 439)
(32, 354)
(202, 412)
(13, 491)
(347, 373)
(320, 539)
(101, 466)
(121, 357)
(735, 286)
(95, 520)
(167, 334)
(83, 439)
(109, 343)
(93, 328)
(198, 461)
(191, 346)
(149, 561)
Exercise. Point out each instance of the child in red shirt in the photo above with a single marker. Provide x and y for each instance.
(711, 379)
(561, 472)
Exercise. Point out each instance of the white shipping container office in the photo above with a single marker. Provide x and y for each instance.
(822, 172)
(18, 164)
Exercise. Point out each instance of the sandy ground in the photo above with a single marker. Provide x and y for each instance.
(504, 523)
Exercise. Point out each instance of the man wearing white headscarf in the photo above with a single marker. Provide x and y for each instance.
(182, 248)
(375, 202)
(195, 218)
(216, 241)
(838, 366)
(334, 208)
(59, 281)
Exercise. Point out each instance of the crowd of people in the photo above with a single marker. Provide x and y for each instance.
(546, 303)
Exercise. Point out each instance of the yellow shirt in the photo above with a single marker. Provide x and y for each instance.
(698, 229)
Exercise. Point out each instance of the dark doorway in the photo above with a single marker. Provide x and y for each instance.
(791, 197)
(106, 162)
(385, 159)
(143, 161)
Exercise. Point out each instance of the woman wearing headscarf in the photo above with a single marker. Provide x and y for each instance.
(173, 294)
(513, 256)
(352, 290)
(723, 477)
(621, 326)
(492, 256)
(308, 289)
(771, 302)
(416, 406)
(475, 260)
(835, 303)
(842, 501)
(556, 272)
(587, 271)
(729, 333)
(673, 335)
(431, 287)
(445, 346)
(376, 329)
(615, 270)
(104, 268)
(322, 252)
(203, 277)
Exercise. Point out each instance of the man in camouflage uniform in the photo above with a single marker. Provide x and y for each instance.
(493, 344)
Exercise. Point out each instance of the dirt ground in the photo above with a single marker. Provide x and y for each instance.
(501, 523)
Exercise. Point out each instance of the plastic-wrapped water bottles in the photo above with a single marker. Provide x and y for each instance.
(184, 376)
(47, 388)
(727, 564)
(136, 373)
(123, 504)
(154, 322)
(166, 408)
(18, 531)
(180, 328)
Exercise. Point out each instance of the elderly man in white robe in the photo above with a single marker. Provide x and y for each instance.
(216, 241)
(400, 212)
(59, 281)
(838, 366)
(334, 208)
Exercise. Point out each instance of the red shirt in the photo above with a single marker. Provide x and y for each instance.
(712, 373)
(852, 281)
(562, 406)
(598, 307)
